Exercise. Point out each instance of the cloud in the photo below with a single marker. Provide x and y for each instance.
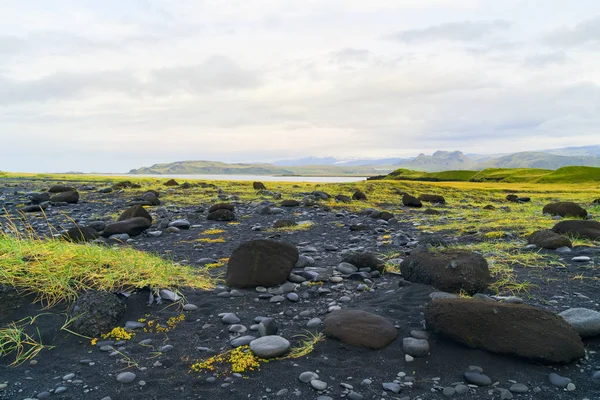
(465, 31)
(546, 59)
(349, 55)
(585, 32)
(217, 73)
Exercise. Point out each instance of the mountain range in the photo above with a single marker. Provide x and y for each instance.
(438, 161)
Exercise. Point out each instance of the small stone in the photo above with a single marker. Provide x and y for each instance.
(270, 346)
(557, 380)
(242, 341)
(392, 387)
(477, 378)
(267, 327)
(307, 376)
(571, 387)
(318, 385)
(314, 322)
(68, 377)
(190, 307)
(449, 391)
(415, 347)
(126, 377)
(292, 297)
(581, 259)
(408, 358)
(169, 295)
(230, 318)
(519, 388)
(461, 389)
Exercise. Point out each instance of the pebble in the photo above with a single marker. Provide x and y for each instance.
(68, 377)
(557, 380)
(269, 346)
(519, 388)
(477, 378)
(308, 376)
(318, 385)
(314, 322)
(585, 321)
(190, 307)
(267, 327)
(230, 318)
(242, 340)
(392, 387)
(169, 295)
(43, 395)
(355, 396)
(276, 299)
(292, 297)
(581, 259)
(415, 347)
(461, 389)
(132, 325)
(126, 377)
(449, 391)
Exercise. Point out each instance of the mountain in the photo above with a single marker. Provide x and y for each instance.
(439, 161)
(306, 161)
(219, 168)
(298, 162)
(535, 159)
(593, 151)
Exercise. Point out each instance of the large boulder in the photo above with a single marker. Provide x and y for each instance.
(221, 206)
(221, 215)
(132, 227)
(358, 195)
(547, 239)
(126, 185)
(61, 188)
(360, 328)
(447, 270)
(38, 198)
(134, 212)
(411, 201)
(513, 329)
(290, 203)
(171, 182)
(284, 223)
(432, 198)
(565, 209)
(259, 186)
(261, 263)
(343, 198)
(364, 260)
(66, 197)
(95, 313)
(151, 198)
(587, 229)
(80, 234)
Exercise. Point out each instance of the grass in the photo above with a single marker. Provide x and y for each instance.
(56, 270)
(14, 340)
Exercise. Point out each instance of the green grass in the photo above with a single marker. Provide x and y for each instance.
(572, 175)
(444, 176)
(56, 270)
(14, 340)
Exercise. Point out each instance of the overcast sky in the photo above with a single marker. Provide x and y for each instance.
(111, 85)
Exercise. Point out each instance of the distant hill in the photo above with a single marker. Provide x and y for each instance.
(531, 159)
(299, 162)
(440, 161)
(219, 168)
(577, 174)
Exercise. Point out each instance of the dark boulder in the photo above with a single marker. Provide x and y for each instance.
(290, 203)
(33, 208)
(342, 198)
(358, 195)
(61, 188)
(221, 215)
(360, 328)
(38, 198)
(547, 239)
(386, 215)
(135, 211)
(364, 260)
(432, 198)
(171, 182)
(321, 195)
(80, 234)
(447, 270)
(259, 186)
(587, 229)
(512, 329)
(71, 197)
(126, 185)
(261, 263)
(221, 206)
(151, 198)
(95, 313)
(284, 223)
(513, 198)
(411, 201)
(489, 207)
(431, 211)
(565, 209)
(132, 227)
(185, 185)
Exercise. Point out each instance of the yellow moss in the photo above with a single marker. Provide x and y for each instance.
(494, 235)
(118, 333)
(213, 231)
(210, 240)
(238, 360)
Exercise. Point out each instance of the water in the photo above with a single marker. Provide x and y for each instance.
(259, 178)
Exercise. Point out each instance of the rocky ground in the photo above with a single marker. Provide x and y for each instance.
(388, 364)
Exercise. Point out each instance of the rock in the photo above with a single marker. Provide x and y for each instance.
(134, 212)
(125, 185)
(557, 380)
(38, 198)
(270, 346)
(34, 208)
(171, 182)
(290, 203)
(151, 198)
(95, 313)
(585, 321)
(267, 327)
(169, 295)
(318, 385)
(392, 387)
(132, 227)
(70, 197)
(518, 329)
(364, 260)
(360, 328)
(308, 376)
(432, 198)
(258, 186)
(126, 377)
(431, 211)
(415, 347)
(314, 323)
(61, 189)
(358, 195)
(80, 234)
(230, 318)
(261, 263)
(581, 259)
(447, 270)
(565, 209)
(519, 388)
(284, 223)
(587, 229)
(242, 341)
(343, 198)
(221, 215)
(346, 268)
(221, 206)
(180, 224)
(513, 198)
(547, 239)
(477, 378)
(411, 201)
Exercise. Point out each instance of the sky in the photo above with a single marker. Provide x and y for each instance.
(107, 86)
